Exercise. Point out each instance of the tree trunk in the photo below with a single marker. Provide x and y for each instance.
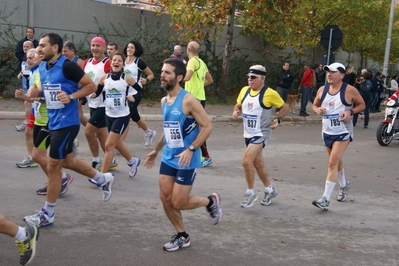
(226, 54)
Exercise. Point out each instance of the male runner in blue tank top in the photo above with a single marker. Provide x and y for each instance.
(186, 127)
(60, 78)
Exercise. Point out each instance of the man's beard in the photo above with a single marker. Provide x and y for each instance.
(47, 57)
(169, 85)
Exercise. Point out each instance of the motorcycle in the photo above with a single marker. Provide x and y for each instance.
(388, 129)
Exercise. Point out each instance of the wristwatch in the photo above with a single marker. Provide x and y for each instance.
(191, 148)
(71, 97)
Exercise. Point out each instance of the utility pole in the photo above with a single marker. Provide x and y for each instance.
(389, 39)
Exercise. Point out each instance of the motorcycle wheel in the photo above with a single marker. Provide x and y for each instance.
(383, 138)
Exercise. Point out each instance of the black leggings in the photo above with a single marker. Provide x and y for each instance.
(134, 112)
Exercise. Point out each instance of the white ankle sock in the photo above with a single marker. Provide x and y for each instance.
(21, 235)
(99, 177)
(269, 189)
(49, 207)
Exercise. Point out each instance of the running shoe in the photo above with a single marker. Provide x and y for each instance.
(149, 137)
(268, 197)
(107, 186)
(75, 147)
(215, 211)
(249, 200)
(114, 165)
(26, 163)
(206, 161)
(133, 167)
(94, 182)
(342, 192)
(65, 184)
(21, 127)
(64, 188)
(40, 219)
(321, 203)
(27, 247)
(42, 191)
(96, 165)
(177, 242)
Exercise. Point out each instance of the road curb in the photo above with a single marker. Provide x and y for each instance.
(7, 115)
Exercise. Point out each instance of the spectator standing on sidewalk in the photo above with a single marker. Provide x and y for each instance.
(284, 82)
(320, 77)
(305, 87)
(177, 54)
(364, 88)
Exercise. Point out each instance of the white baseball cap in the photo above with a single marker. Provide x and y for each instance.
(335, 67)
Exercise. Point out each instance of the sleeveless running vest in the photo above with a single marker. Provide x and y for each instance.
(334, 106)
(256, 116)
(53, 80)
(115, 96)
(95, 72)
(180, 131)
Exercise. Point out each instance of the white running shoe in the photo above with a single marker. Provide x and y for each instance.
(107, 186)
(133, 167)
(149, 137)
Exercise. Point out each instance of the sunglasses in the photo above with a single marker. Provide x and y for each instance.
(252, 77)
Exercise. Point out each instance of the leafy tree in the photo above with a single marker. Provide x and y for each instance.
(299, 23)
(201, 19)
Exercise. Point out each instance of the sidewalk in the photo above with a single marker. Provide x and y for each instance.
(12, 109)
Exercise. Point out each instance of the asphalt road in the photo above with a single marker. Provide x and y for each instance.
(131, 228)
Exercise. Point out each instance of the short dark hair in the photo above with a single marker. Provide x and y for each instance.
(180, 67)
(70, 45)
(54, 38)
(113, 44)
(30, 28)
(138, 51)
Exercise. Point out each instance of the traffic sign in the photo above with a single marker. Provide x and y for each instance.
(336, 35)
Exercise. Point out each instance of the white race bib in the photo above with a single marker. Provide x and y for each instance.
(251, 123)
(173, 136)
(51, 93)
(332, 123)
(25, 68)
(36, 106)
(114, 101)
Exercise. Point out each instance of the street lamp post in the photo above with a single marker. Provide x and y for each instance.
(389, 38)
